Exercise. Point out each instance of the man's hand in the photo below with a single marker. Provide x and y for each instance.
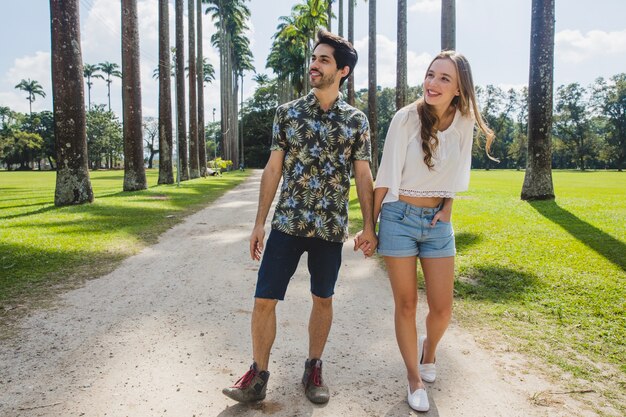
(366, 242)
(256, 242)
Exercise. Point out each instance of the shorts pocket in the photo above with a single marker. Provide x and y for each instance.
(392, 212)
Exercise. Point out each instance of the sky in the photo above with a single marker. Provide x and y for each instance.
(590, 42)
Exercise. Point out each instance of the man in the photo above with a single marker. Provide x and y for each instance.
(314, 140)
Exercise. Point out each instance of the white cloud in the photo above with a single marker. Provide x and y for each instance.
(386, 68)
(572, 46)
(426, 6)
(36, 67)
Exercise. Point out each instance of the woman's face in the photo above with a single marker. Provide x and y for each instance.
(441, 84)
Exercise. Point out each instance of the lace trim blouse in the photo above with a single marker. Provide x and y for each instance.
(402, 169)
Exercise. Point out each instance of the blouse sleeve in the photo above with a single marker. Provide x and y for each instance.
(394, 153)
(465, 166)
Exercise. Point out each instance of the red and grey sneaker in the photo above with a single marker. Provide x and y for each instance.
(250, 387)
(314, 388)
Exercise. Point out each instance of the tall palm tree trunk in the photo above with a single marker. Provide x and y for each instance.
(200, 85)
(372, 112)
(351, 40)
(73, 185)
(538, 176)
(448, 25)
(134, 171)
(194, 170)
(401, 63)
(340, 20)
(166, 174)
(183, 166)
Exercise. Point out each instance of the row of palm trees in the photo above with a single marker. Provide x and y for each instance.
(288, 58)
(93, 71)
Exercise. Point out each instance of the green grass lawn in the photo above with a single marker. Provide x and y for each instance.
(43, 247)
(547, 278)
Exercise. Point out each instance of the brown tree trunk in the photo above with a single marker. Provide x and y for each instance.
(200, 84)
(401, 64)
(194, 170)
(340, 20)
(351, 40)
(73, 185)
(372, 114)
(448, 25)
(183, 166)
(166, 174)
(538, 176)
(134, 171)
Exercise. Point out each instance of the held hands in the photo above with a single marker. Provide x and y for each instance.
(256, 242)
(366, 242)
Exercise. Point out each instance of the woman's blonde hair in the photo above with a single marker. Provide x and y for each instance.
(465, 102)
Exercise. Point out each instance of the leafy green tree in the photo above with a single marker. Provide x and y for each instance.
(104, 137)
(572, 123)
(611, 98)
(33, 88)
(21, 148)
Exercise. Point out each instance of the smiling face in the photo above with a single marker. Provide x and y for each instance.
(323, 71)
(441, 84)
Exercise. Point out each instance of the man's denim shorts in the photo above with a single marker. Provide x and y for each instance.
(405, 230)
(280, 260)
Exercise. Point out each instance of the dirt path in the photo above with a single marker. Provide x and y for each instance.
(164, 332)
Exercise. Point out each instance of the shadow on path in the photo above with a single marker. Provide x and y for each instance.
(601, 242)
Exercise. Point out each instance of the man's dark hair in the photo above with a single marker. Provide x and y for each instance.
(344, 53)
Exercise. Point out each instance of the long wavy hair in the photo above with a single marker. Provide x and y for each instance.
(465, 102)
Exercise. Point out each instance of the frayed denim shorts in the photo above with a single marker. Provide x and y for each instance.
(405, 230)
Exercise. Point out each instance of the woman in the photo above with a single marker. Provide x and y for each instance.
(426, 160)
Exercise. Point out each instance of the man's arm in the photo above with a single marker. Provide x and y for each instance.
(365, 192)
(269, 184)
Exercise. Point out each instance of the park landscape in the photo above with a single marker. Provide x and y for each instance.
(541, 268)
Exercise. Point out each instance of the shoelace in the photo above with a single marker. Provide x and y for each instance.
(316, 376)
(245, 380)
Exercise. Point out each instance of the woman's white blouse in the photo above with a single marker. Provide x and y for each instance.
(402, 169)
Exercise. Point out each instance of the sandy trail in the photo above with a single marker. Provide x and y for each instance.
(168, 329)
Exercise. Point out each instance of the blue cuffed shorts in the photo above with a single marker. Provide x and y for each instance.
(280, 260)
(405, 230)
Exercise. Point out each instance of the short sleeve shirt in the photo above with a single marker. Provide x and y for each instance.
(319, 148)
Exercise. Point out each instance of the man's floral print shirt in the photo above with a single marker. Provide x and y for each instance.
(319, 150)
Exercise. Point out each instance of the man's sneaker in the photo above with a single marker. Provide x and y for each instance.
(314, 388)
(250, 387)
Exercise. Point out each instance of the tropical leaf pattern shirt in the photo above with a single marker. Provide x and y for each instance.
(319, 147)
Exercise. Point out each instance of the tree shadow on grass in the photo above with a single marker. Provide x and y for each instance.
(494, 283)
(465, 241)
(601, 242)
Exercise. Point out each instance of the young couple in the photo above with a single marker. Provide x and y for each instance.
(426, 159)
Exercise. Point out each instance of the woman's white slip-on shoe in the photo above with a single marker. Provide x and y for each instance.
(428, 371)
(418, 400)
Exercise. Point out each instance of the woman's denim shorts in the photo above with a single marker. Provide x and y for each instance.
(405, 230)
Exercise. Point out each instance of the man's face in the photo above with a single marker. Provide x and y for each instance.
(323, 71)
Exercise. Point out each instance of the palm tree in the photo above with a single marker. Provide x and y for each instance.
(111, 69)
(372, 112)
(448, 25)
(329, 15)
(401, 63)
(5, 113)
(134, 171)
(235, 57)
(183, 166)
(33, 88)
(194, 159)
(351, 4)
(166, 175)
(73, 185)
(538, 177)
(90, 71)
(205, 75)
(340, 20)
